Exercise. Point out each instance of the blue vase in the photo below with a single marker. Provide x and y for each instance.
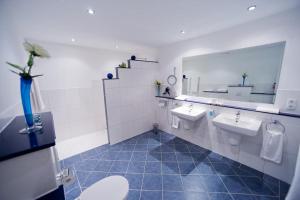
(25, 95)
(157, 90)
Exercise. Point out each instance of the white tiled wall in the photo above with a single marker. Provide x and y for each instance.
(207, 135)
(76, 111)
(130, 100)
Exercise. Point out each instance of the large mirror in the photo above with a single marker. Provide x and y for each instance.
(249, 74)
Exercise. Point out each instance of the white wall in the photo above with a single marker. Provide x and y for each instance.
(277, 28)
(206, 135)
(130, 101)
(11, 43)
(72, 86)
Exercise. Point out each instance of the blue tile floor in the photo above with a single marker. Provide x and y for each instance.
(166, 167)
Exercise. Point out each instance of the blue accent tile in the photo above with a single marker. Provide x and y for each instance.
(86, 165)
(73, 194)
(102, 148)
(103, 166)
(243, 170)
(139, 156)
(219, 196)
(170, 157)
(193, 183)
(152, 141)
(93, 178)
(170, 168)
(119, 166)
(82, 176)
(153, 167)
(115, 147)
(172, 183)
(184, 195)
(223, 169)
(235, 185)
(284, 188)
(134, 195)
(186, 167)
(184, 157)
(213, 183)
(272, 183)
(205, 168)
(141, 147)
(167, 195)
(128, 147)
(167, 148)
(199, 157)
(142, 141)
(181, 148)
(115, 174)
(109, 155)
(126, 155)
(91, 154)
(243, 197)
(257, 186)
(196, 195)
(130, 141)
(136, 167)
(152, 182)
(151, 195)
(135, 181)
(71, 161)
(266, 198)
(196, 149)
(154, 156)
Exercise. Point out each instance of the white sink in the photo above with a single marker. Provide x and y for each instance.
(237, 128)
(188, 113)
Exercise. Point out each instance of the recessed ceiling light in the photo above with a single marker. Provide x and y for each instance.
(91, 11)
(251, 8)
(73, 40)
(182, 32)
(117, 46)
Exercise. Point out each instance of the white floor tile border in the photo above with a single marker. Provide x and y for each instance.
(76, 145)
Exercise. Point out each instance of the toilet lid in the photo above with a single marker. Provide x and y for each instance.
(112, 188)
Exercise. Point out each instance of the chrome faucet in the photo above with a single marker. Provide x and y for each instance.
(237, 116)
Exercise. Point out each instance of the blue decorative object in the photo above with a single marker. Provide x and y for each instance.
(158, 90)
(110, 76)
(25, 95)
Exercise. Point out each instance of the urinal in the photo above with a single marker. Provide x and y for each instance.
(294, 191)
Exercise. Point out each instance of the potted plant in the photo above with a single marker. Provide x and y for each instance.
(26, 77)
(244, 76)
(157, 84)
(122, 65)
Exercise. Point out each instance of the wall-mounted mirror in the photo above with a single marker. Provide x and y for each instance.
(249, 74)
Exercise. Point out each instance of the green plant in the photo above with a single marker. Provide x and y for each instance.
(245, 75)
(34, 50)
(157, 83)
(122, 65)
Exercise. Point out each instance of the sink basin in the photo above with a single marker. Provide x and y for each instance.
(187, 113)
(245, 125)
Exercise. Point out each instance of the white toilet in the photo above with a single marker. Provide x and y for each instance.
(112, 188)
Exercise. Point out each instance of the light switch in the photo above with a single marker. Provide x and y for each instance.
(291, 104)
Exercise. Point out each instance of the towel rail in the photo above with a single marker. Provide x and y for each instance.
(275, 122)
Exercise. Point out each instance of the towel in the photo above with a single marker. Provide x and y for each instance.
(37, 102)
(272, 147)
(175, 122)
(267, 109)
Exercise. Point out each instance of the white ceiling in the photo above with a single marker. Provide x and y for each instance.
(152, 23)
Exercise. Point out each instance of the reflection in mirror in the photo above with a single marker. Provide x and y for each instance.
(249, 74)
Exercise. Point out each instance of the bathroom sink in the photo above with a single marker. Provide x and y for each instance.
(188, 113)
(244, 125)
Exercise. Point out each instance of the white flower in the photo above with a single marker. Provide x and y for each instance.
(36, 50)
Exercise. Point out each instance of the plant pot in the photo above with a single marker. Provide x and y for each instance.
(26, 102)
(158, 90)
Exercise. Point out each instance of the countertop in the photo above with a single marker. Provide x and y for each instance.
(13, 144)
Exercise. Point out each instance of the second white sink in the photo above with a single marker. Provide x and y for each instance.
(244, 125)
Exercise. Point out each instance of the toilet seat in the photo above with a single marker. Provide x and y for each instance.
(112, 188)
